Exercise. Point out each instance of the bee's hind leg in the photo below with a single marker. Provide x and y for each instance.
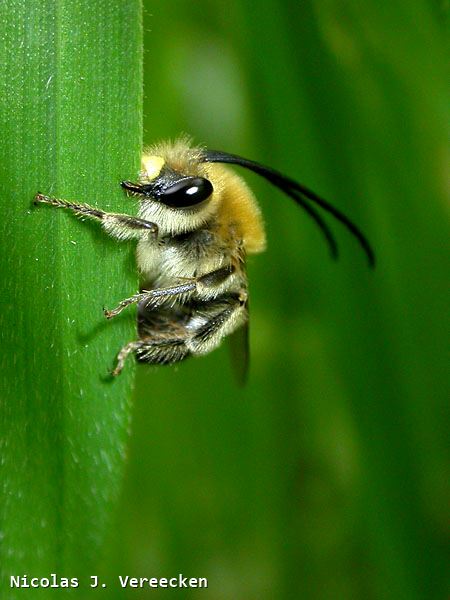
(122, 356)
(159, 350)
(219, 318)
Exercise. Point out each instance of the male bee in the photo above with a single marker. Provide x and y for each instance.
(197, 221)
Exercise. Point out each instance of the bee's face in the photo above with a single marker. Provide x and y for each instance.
(171, 188)
(181, 200)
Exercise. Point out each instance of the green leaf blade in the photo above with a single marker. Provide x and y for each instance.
(72, 123)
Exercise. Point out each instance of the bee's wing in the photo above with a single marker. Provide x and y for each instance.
(239, 352)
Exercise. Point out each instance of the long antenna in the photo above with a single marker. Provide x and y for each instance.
(301, 195)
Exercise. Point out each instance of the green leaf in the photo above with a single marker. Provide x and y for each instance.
(71, 115)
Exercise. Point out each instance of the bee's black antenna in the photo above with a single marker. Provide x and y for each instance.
(300, 194)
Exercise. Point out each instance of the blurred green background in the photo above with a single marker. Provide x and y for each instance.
(324, 477)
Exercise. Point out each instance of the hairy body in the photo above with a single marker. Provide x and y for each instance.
(191, 259)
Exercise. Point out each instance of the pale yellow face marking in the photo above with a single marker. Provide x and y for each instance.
(152, 166)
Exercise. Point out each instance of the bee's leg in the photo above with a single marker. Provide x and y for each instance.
(219, 319)
(199, 335)
(153, 297)
(157, 297)
(157, 349)
(124, 352)
(122, 227)
(163, 350)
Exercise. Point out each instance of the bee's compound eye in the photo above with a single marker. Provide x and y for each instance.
(187, 192)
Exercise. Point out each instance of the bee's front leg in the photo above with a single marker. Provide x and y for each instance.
(120, 226)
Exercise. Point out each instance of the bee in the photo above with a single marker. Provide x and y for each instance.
(196, 223)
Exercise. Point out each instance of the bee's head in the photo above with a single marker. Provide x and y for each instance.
(181, 188)
(173, 189)
(176, 196)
